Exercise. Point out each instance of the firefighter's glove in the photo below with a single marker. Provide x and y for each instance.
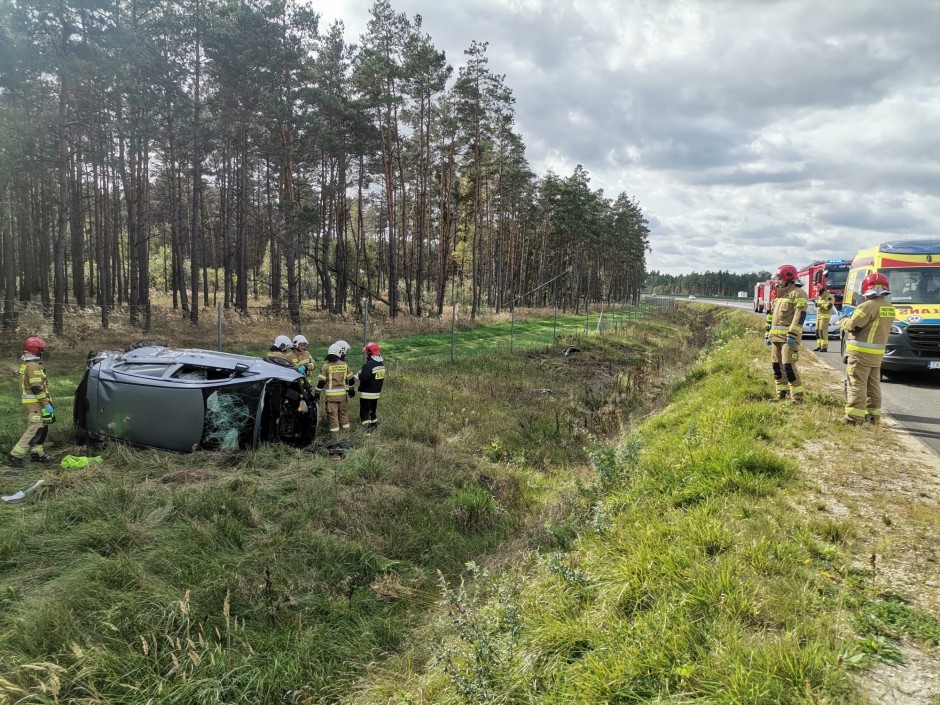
(767, 342)
(350, 392)
(48, 414)
(791, 340)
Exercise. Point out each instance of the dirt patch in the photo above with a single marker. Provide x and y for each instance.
(885, 485)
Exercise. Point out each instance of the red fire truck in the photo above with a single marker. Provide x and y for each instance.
(764, 295)
(830, 273)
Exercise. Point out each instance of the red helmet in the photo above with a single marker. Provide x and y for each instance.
(34, 346)
(372, 349)
(786, 273)
(875, 284)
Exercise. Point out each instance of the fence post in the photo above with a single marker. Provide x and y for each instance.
(365, 329)
(512, 325)
(219, 316)
(453, 328)
(555, 325)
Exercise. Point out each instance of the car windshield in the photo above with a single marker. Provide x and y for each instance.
(919, 285)
(835, 279)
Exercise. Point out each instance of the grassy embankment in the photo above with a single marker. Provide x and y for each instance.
(694, 567)
(272, 576)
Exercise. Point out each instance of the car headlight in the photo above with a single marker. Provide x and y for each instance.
(896, 330)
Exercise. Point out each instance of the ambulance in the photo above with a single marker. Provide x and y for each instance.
(913, 271)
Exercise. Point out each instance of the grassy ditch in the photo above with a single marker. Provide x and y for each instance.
(686, 570)
(272, 576)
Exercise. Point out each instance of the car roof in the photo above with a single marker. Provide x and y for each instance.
(202, 358)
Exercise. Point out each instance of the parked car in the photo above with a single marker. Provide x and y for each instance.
(691, 297)
(809, 325)
(188, 399)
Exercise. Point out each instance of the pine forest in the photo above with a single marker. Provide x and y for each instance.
(197, 153)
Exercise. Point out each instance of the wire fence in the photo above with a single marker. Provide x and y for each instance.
(450, 336)
(512, 335)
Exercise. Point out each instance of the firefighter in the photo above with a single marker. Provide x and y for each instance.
(824, 305)
(868, 330)
(343, 349)
(785, 334)
(371, 378)
(280, 349)
(336, 384)
(301, 357)
(34, 390)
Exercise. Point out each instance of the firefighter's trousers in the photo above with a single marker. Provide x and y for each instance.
(863, 389)
(337, 412)
(35, 434)
(367, 409)
(783, 361)
(822, 332)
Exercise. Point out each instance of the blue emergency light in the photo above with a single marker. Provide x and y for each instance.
(835, 261)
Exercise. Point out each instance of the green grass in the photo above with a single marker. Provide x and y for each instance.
(501, 338)
(276, 575)
(680, 574)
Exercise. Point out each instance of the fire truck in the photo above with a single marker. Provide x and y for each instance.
(764, 295)
(830, 273)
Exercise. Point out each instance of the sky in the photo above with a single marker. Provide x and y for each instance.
(753, 133)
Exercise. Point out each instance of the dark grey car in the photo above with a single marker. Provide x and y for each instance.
(187, 399)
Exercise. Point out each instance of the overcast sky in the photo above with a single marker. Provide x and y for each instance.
(753, 133)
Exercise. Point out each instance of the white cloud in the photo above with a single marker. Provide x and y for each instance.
(752, 132)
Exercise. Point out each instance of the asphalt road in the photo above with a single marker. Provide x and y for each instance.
(911, 399)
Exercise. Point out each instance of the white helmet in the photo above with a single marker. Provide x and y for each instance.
(343, 347)
(282, 342)
(298, 339)
(334, 349)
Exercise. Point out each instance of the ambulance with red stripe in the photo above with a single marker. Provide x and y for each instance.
(913, 271)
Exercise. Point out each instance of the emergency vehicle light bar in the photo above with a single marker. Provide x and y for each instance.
(911, 247)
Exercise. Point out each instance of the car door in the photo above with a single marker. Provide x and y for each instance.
(145, 409)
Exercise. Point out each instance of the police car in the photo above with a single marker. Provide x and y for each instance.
(809, 325)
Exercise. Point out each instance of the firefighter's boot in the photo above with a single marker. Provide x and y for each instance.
(781, 396)
(851, 420)
(797, 398)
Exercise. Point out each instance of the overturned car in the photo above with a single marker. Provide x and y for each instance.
(188, 399)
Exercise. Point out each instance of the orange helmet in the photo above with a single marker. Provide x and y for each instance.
(875, 284)
(372, 349)
(34, 346)
(786, 273)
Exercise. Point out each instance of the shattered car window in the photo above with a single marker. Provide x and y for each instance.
(230, 417)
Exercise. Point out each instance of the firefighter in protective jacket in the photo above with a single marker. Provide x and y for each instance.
(868, 330)
(371, 378)
(280, 350)
(34, 391)
(301, 357)
(336, 384)
(825, 303)
(786, 332)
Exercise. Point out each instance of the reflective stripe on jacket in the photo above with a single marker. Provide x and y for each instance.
(868, 330)
(334, 377)
(788, 312)
(32, 377)
(371, 378)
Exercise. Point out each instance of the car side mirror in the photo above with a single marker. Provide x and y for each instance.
(240, 369)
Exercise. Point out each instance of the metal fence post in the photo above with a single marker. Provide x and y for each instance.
(453, 328)
(512, 325)
(220, 326)
(365, 329)
(555, 325)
